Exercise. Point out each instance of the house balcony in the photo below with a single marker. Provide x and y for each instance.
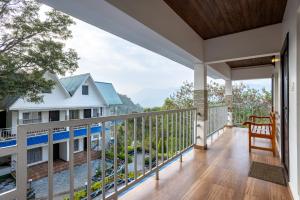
(40, 136)
(177, 170)
(221, 172)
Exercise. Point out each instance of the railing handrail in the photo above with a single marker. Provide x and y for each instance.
(89, 121)
(179, 124)
(216, 106)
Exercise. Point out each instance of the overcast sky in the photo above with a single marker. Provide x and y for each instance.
(144, 76)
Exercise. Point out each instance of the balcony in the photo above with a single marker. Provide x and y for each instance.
(176, 170)
(41, 136)
(219, 173)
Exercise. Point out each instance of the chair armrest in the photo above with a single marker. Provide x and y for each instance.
(259, 117)
(256, 124)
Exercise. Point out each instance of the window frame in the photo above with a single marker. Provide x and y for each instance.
(85, 90)
(73, 113)
(33, 117)
(84, 113)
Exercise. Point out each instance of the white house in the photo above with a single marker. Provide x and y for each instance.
(74, 97)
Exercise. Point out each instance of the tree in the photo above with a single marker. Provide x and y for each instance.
(31, 43)
(216, 93)
(183, 98)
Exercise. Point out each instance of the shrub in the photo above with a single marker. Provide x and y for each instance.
(121, 156)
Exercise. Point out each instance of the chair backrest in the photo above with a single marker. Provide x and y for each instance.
(273, 122)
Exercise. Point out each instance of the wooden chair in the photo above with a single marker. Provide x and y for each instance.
(262, 130)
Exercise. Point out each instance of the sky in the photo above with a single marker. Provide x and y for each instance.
(144, 76)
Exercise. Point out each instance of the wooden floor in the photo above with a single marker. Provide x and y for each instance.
(221, 172)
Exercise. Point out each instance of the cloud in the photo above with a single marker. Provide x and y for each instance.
(129, 67)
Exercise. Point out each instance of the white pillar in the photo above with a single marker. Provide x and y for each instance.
(67, 115)
(228, 101)
(201, 103)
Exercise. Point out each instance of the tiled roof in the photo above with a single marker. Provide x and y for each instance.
(72, 83)
(109, 93)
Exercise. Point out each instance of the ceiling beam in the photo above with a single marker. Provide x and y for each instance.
(255, 72)
(219, 71)
(162, 31)
(247, 44)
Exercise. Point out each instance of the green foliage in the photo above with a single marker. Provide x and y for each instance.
(216, 93)
(160, 143)
(31, 45)
(183, 98)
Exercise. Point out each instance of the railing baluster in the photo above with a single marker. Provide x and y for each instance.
(103, 160)
(156, 146)
(176, 127)
(126, 152)
(143, 145)
(167, 150)
(172, 130)
(135, 148)
(162, 138)
(191, 126)
(89, 164)
(50, 164)
(187, 129)
(115, 160)
(183, 131)
(180, 135)
(150, 142)
(71, 162)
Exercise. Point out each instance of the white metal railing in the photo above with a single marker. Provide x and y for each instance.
(31, 121)
(6, 134)
(169, 134)
(217, 118)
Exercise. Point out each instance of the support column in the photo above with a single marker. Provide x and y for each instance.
(228, 102)
(201, 103)
(67, 115)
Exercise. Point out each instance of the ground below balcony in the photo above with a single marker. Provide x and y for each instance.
(221, 172)
(41, 170)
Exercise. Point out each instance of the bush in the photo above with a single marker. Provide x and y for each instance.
(130, 149)
(121, 156)
(147, 160)
(109, 155)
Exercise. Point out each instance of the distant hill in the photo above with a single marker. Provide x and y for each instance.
(152, 97)
(128, 106)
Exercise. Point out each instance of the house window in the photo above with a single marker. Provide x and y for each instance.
(95, 112)
(34, 155)
(74, 114)
(87, 113)
(76, 145)
(101, 111)
(47, 90)
(85, 90)
(32, 117)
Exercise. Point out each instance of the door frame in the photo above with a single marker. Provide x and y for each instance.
(285, 48)
(54, 111)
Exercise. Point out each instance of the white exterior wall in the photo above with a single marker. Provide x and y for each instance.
(64, 150)
(45, 116)
(80, 145)
(85, 101)
(59, 100)
(290, 26)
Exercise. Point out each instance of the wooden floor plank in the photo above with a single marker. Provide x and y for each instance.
(221, 172)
